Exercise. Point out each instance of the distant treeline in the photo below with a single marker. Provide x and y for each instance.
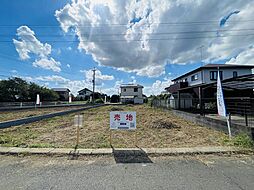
(17, 89)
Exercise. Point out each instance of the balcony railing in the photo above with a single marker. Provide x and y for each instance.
(175, 87)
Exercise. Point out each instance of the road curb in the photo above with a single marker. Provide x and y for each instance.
(111, 151)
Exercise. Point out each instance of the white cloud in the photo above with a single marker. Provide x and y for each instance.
(113, 90)
(28, 44)
(59, 81)
(76, 85)
(53, 78)
(134, 81)
(244, 58)
(151, 71)
(99, 77)
(68, 65)
(49, 64)
(144, 21)
(157, 87)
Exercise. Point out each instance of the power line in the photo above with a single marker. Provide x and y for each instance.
(134, 40)
(203, 22)
(150, 33)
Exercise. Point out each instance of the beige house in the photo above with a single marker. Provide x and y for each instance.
(131, 93)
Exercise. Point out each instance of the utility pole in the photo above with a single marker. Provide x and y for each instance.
(201, 58)
(201, 53)
(93, 83)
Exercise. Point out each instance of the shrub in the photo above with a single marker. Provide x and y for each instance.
(115, 98)
(99, 101)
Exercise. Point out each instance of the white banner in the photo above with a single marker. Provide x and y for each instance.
(220, 98)
(123, 120)
(38, 99)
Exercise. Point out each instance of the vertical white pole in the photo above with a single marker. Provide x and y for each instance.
(229, 127)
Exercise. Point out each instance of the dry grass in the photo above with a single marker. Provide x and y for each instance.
(170, 131)
(11, 115)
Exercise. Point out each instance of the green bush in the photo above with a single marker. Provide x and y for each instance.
(115, 98)
(99, 101)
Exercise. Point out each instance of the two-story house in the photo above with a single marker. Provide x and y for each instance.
(201, 83)
(63, 93)
(131, 93)
(84, 94)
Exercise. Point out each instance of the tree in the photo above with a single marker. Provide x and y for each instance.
(34, 89)
(48, 94)
(17, 89)
(115, 98)
(13, 89)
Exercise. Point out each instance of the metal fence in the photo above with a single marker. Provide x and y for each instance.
(240, 109)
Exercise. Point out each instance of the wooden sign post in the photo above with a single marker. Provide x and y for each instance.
(136, 139)
(78, 122)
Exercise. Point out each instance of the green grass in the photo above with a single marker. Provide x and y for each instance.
(9, 141)
(41, 145)
(242, 140)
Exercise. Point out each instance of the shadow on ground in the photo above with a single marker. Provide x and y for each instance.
(73, 155)
(131, 156)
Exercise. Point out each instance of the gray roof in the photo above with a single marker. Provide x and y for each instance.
(61, 89)
(85, 89)
(131, 86)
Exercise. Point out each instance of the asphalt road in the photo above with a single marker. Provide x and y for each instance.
(127, 172)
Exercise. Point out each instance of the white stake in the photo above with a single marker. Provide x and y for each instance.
(229, 127)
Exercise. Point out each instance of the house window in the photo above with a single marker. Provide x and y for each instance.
(213, 75)
(194, 77)
(135, 89)
(186, 80)
(124, 89)
(234, 74)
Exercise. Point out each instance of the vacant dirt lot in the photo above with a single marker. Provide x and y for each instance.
(11, 115)
(155, 128)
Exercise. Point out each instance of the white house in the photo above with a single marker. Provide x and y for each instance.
(84, 93)
(199, 85)
(208, 73)
(131, 93)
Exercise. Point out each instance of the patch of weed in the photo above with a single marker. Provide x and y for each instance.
(241, 140)
(41, 145)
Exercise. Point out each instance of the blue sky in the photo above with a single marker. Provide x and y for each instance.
(152, 64)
